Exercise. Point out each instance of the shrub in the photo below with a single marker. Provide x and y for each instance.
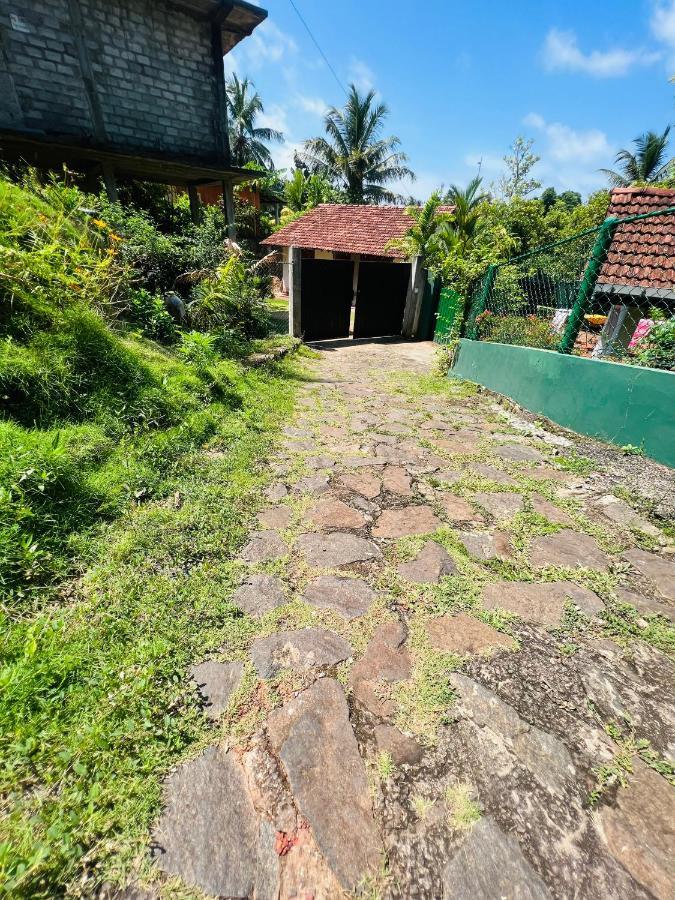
(198, 349)
(149, 312)
(657, 349)
(158, 256)
(518, 330)
(508, 296)
(231, 300)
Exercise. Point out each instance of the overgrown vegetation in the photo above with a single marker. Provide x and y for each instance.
(126, 471)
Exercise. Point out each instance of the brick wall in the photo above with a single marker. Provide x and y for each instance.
(151, 65)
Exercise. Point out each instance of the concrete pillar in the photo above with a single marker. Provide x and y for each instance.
(294, 292)
(228, 206)
(413, 300)
(285, 274)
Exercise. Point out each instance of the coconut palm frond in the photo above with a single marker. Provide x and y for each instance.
(353, 155)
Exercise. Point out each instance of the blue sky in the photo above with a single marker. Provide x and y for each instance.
(463, 79)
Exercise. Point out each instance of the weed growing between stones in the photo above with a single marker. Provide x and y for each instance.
(622, 623)
(424, 701)
(619, 769)
(415, 387)
(463, 811)
(384, 764)
(499, 619)
(579, 465)
(422, 806)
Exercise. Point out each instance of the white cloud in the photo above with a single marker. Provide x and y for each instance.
(561, 52)
(283, 153)
(361, 74)
(421, 188)
(267, 44)
(275, 117)
(314, 105)
(564, 144)
(663, 28)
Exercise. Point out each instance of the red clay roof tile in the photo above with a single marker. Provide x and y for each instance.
(346, 228)
(641, 253)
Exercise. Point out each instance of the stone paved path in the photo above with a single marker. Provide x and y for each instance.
(457, 682)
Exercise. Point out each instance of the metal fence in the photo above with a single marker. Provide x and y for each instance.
(606, 293)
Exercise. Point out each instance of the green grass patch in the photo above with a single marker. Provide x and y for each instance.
(95, 704)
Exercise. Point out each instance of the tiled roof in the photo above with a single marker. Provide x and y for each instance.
(642, 253)
(346, 228)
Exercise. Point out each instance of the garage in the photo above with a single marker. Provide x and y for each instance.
(345, 279)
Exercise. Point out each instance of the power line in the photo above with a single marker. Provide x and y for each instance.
(317, 45)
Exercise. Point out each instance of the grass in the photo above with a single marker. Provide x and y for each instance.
(384, 765)
(619, 768)
(463, 811)
(129, 475)
(96, 705)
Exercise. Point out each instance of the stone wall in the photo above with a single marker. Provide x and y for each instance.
(151, 66)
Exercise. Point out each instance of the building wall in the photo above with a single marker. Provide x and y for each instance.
(607, 400)
(151, 65)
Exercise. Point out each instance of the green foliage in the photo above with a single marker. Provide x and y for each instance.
(507, 293)
(248, 142)
(156, 258)
(568, 199)
(523, 331)
(466, 217)
(231, 300)
(429, 235)
(200, 350)
(649, 164)
(353, 156)
(150, 314)
(303, 192)
(517, 182)
(657, 349)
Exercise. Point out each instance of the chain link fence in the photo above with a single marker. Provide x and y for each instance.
(607, 293)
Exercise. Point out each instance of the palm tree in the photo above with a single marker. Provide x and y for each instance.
(466, 219)
(353, 155)
(430, 234)
(246, 141)
(647, 164)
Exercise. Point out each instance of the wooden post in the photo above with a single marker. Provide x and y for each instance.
(110, 182)
(295, 292)
(195, 205)
(413, 300)
(228, 207)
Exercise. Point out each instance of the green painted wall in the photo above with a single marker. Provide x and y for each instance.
(611, 401)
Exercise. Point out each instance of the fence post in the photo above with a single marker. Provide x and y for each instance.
(587, 286)
(483, 297)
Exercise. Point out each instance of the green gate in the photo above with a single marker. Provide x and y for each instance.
(449, 306)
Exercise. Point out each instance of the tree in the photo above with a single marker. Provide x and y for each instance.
(515, 182)
(569, 199)
(648, 164)
(246, 141)
(353, 155)
(467, 201)
(548, 198)
(430, 234)
(303, 192)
